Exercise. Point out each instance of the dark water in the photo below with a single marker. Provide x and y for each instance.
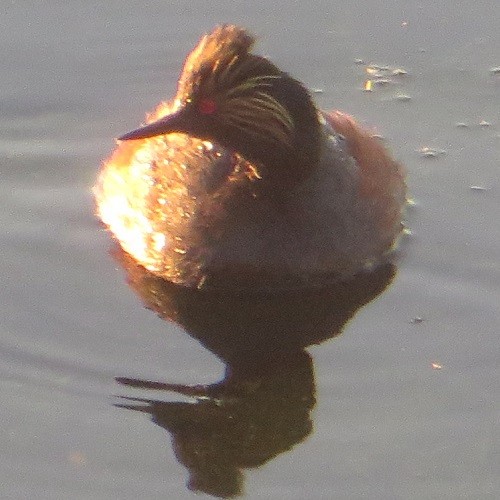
(364, 415)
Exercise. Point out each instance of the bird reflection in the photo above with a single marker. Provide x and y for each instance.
(262, 406)
(241, 422)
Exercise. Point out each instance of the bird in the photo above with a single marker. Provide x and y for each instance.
(242, 182)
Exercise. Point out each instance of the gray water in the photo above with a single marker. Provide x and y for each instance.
(404, 404)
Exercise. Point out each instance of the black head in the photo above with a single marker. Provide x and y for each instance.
(243, 102)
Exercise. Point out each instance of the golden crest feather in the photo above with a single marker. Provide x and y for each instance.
(216, 51)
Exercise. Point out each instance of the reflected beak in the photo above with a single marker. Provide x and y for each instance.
(176, 122)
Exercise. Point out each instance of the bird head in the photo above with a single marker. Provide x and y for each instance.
(243, 102)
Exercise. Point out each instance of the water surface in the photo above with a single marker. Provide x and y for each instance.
(403, 404)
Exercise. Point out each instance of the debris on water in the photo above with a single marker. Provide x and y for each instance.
(381, 71)
(77, 458)
(411, 202)
(383, 76)
(417, 320)
(317, 91)
(402, 97)
(427, 152)
(495, 70)
(479, 188)
(376, 70)
(407, 231)
(482, 124)
(382, 81)
(359, 61)
(436, 366)
(379, 137)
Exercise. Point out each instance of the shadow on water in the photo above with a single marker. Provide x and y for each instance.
(262, 406)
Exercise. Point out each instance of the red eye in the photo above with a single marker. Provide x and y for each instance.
(207, 107)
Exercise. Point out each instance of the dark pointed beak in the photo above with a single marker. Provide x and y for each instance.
(175, 122)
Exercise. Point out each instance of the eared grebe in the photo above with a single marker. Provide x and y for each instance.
(241, 182)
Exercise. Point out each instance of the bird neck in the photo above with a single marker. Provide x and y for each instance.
(286, 166)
